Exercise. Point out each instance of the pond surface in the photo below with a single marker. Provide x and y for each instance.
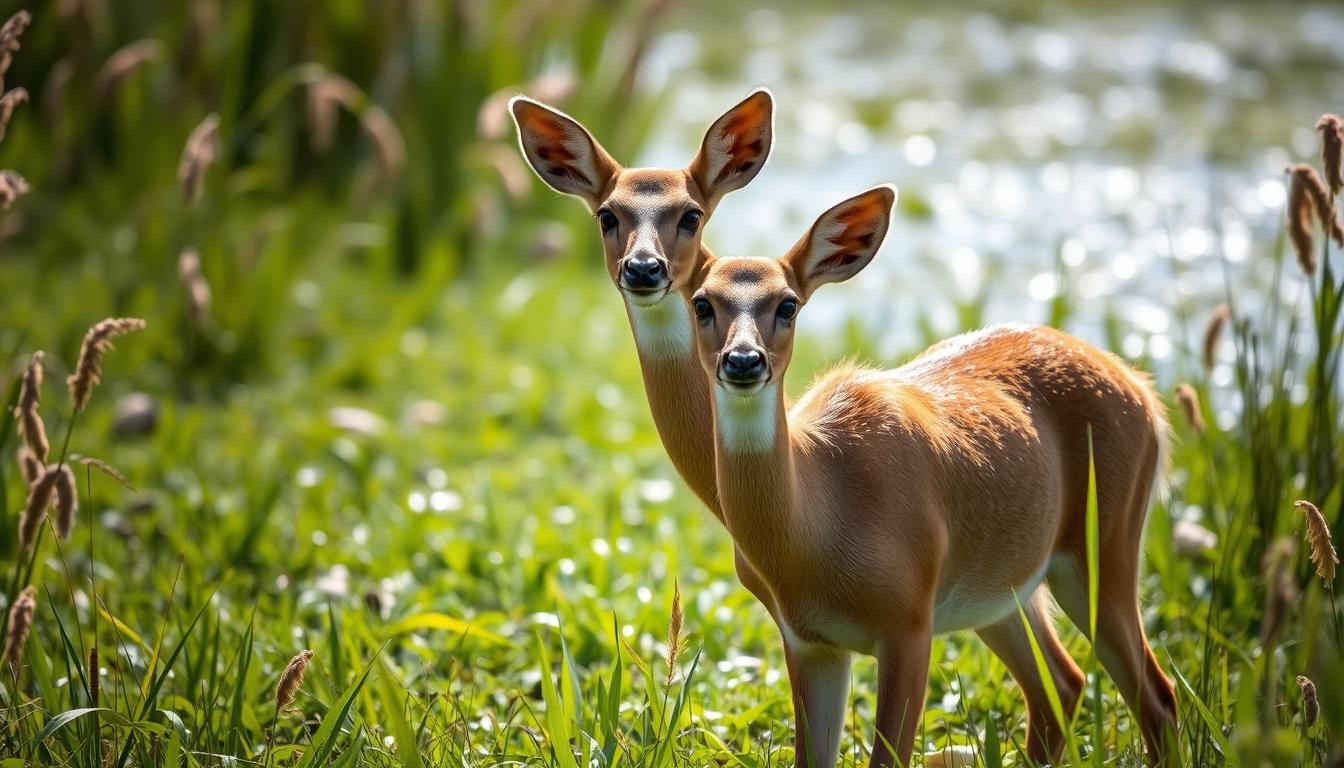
(1130, 159)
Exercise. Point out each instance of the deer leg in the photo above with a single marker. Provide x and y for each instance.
(1008, 639)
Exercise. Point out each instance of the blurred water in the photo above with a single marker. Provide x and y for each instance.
(1116, 154)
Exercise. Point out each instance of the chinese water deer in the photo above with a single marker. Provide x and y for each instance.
(651, 222)
(887, 506)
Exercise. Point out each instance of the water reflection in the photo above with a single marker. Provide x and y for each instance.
(1110, 158)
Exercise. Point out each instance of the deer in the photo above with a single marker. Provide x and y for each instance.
(884, 507)
(651, 222)
(628, 205)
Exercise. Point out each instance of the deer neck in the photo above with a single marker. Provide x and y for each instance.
(755, 471)
(677, 391)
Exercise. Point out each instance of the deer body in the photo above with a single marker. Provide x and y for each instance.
(885, 507)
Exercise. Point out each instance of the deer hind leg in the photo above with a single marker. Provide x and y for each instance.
(1008, 639)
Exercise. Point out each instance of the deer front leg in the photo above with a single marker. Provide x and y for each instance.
(819, 679)
(903, 682)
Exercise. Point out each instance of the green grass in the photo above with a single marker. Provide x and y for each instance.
(485, 568)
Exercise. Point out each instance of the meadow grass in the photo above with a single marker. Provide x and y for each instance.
(436, 471)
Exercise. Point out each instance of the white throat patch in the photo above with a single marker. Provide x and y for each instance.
(746, 423)
(662, 330)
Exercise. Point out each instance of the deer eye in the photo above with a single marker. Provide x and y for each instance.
(702, 307)
(690, 221)
(787, 309)
(607, 220)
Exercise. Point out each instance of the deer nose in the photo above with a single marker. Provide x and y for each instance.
(643, 273)
(743, 365)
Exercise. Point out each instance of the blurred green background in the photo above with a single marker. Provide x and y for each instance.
(409, 416)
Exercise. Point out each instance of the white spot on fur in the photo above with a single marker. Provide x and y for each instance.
(662, 330)
(746, 423)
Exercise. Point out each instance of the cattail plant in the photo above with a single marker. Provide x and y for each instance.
(198, 155)
(97, 342)
(20, 623)
(31, 428)
(1332, 143)
(1307, 199)
(675, 641)
(1322, 548)
(1213, 333)
(1189, 402)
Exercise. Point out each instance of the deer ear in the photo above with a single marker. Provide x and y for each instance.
(843, 240)
(735, 147)
(561, 151)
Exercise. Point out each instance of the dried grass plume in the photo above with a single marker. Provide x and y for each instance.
(31, 428)
(9, 40)
(1332, 142)
(1281, 592)
(1308, 197)
(20, 623)
(67, 501)
(291, 679)
(1322, 548)
(675, 640)
(1213, 333)
(29, 466)
(40, 494)
(97, 342)
(1311, 703)
(12, 187)
(189, 271)
(1189, 402)
(198, 155)
(8, 103)
(121, 64)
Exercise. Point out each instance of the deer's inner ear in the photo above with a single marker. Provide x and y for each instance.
(561, 151)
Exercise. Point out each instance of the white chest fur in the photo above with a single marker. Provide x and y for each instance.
(746, 423)
(662, 330)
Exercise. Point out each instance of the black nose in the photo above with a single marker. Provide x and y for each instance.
(743, 365)
(643, 273)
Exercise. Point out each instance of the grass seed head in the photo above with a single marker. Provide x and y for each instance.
(675, 640)
(199, 153)
(1322, 548)
(1332, 142)
(1311, 704)
(1189, 402)
(12, 187)
(67, 501)
(9, 40)
(8, 102)
(1308, 197)
(1281, 590)
(291, 679)
(327, 96)
(39, 500)
(31, 428)
(29, 466)
(194, 283)
(387, 142)
(20, 623)
(121, 64)
(96, 343)
(95, 677)
(1213, 333)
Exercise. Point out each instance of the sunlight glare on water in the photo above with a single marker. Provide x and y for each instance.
(1116, 159)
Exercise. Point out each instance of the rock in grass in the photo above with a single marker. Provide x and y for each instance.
(137, 414)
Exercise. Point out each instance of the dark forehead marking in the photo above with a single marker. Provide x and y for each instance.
(746, 277)
(649, 187)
